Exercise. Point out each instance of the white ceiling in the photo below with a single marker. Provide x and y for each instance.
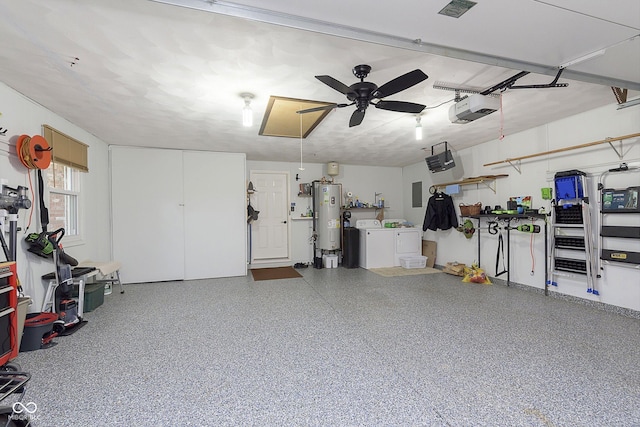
(143, 73)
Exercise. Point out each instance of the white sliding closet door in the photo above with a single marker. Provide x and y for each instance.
(215, 215)
(147, 213)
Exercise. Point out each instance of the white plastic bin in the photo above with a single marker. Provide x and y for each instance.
(413, 261)
(330, 261)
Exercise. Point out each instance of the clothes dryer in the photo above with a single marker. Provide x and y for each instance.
(376, 244)
(407, 240)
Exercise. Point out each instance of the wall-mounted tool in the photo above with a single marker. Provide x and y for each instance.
(527, 228)
(11, 201)
(14, 199)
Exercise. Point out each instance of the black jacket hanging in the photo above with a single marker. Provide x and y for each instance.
(441, 213)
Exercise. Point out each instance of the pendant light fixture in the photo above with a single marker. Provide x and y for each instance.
(418, 128)
(247, 112)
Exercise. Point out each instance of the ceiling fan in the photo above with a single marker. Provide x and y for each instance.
(362, 94)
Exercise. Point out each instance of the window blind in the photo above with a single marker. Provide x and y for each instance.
(67, 150)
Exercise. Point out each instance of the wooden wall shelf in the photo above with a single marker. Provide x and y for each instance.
(574, 147)
(484, 179)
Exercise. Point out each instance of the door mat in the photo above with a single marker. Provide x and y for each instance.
(274, 273)
(400, 271)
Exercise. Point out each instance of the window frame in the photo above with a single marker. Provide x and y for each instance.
(76, 177)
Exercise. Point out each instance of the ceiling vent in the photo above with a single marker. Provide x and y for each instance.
(457, 8)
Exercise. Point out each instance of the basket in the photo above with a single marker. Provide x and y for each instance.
(418, 261)
(470, 210)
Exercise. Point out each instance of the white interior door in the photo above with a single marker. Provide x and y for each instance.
(147, 213)
(270, 232)
(215, 215)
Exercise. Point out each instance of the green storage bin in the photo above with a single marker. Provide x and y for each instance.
(93, 296)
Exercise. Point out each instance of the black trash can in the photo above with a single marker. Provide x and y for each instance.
(351, 247)
(36, 327)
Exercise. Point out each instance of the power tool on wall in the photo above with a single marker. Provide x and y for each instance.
(528, 228)
(11, 201)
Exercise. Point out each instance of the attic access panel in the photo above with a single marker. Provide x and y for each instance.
(281, 117)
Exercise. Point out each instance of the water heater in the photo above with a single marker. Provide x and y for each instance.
(327, 215)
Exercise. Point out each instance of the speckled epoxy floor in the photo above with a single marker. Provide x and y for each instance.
(339, 347)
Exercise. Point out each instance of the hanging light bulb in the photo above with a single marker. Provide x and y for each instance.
(247, 112)
(418, 129)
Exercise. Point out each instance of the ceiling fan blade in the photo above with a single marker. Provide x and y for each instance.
(324, 107)
(334, 84)
(356, 118)
(400, 106)
(401, 83)
(311, 110)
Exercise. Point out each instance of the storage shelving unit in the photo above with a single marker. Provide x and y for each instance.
(619, 208)
(369, 208)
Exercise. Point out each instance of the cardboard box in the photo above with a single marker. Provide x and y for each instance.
(454, 268)
(429, 250)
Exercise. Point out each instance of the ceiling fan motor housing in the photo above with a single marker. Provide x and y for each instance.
(361, 71)
(362, 93)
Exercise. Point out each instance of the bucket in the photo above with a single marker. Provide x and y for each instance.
(36, 327)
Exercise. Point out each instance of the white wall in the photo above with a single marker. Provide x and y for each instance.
(362, 181)
(21, 116)
(619, 286)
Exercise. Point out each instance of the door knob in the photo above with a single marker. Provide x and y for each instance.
(284, 222)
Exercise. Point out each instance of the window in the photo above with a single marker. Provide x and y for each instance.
(63, 183)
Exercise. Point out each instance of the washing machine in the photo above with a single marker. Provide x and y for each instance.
(376, 244)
